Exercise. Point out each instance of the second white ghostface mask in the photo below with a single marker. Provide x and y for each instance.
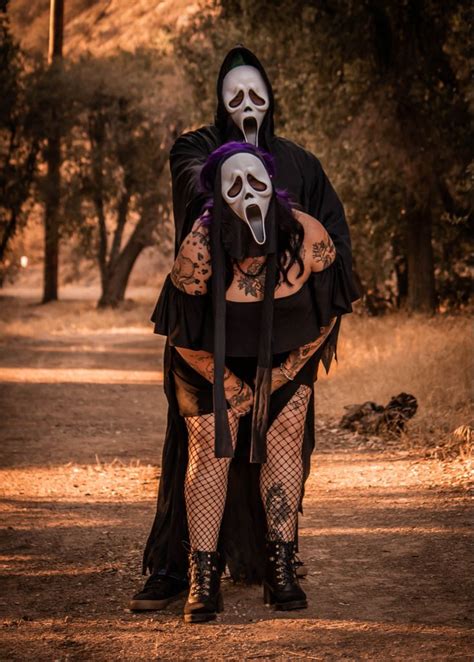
(246, 100)
(247, 189)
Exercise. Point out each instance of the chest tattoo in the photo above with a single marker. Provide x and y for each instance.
(251, 279)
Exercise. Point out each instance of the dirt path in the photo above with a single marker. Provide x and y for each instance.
(385, 532)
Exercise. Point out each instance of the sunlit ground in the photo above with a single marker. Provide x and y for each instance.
(385, 532)
(428, 357)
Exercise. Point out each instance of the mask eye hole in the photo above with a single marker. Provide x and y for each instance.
(256, 183)
(235, 188)
(237, 100)
(258, 101)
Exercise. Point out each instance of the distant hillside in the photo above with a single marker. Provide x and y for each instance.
(100, 26)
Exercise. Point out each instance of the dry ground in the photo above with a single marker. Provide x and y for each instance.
(385, 532)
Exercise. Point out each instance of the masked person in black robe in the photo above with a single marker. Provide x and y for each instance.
(254, 292)
(244, 112)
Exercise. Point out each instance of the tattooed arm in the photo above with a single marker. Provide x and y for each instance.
(319, 250)
(237, 392)
(298, 357)
(192, 267)
(323, 251)
(190, 273)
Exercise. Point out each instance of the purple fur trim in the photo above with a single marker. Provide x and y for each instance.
(285, 198)
(206, 216)
(225, 151)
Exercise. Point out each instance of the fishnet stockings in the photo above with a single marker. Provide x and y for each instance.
(205, 485)
(282, 474)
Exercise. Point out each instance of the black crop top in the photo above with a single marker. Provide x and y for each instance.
(187, 319)
(294, 323)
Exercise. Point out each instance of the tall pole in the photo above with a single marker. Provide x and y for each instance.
(51, 226)
(56, 28)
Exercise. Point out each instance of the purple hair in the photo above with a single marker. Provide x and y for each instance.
(225, 151)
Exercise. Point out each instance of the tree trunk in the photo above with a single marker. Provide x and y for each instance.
(122, 212)
(401, 270)
(51, 221)
(56, 23)
(113, 291)
(421, 283)
(96, 137)
(8, 233)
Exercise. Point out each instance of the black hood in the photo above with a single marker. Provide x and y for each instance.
(222, 120)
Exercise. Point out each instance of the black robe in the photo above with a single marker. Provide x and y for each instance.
(299, 172)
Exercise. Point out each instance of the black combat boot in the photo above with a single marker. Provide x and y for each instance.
(281, 589)
(205, 597)
(159, 591)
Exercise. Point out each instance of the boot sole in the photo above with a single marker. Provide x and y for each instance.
(199, 618)
(155, 605)
(287, 606)
(202, 617)
(270, 601)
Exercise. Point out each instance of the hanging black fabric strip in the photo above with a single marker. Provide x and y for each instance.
(263, 379)
(223, 440)
(226, 238)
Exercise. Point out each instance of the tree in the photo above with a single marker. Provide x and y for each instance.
(53, 158)
(19, 141)
(378, 90)
(125, 122)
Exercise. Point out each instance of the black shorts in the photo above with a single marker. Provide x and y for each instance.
(194, 392)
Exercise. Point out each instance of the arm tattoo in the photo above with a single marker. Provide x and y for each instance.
(201, 236)
(188, 275)
(203, 363)
(324, 252)
(182, 273)
(238, 399)
(298, 357)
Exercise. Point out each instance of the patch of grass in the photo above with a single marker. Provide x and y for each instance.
(429, 357)
(26, 318)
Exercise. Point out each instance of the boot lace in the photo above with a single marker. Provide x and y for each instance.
(199, 574)
(285, 567)
(297, 562)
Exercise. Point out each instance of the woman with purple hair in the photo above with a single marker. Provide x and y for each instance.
(253, 294)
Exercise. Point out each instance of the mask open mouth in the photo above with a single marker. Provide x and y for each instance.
(254, 218)
(250, 128)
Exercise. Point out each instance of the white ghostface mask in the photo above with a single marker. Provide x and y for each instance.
(246, 100)
(247, 189)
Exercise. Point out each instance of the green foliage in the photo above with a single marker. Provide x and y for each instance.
(123, 121)
(19, 144)
(379, 91)
(117, 118)
(118, 135)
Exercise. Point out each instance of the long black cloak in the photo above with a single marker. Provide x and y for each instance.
(299, 172)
